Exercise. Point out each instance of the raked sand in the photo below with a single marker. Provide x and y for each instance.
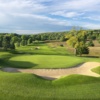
(83, 69)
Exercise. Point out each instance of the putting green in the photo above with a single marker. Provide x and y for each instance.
(44, 61)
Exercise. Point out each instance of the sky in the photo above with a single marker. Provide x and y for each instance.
(37, 16)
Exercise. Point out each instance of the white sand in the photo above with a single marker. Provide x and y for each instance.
(84, 69)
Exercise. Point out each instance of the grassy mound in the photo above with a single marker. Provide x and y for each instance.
(20, 86)
(96, 70)
(75, 79)
(44, 61)
(41, 61)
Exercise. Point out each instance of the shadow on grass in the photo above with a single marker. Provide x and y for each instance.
(17, 64)
(5, 62)
(20, 64)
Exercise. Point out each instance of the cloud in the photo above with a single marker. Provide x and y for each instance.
(93, 18)
(33, 23)
(91, 25)
(67, 14)
(47, 15)
(80, 5)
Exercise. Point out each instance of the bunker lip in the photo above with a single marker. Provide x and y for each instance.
(51, 74)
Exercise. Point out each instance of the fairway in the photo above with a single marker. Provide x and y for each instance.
(44, 61)
(44, 49)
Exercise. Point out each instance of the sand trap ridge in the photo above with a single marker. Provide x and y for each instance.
(84, 69)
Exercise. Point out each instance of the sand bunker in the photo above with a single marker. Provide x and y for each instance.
(83, 69)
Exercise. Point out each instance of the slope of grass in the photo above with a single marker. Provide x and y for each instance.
(30, 87)
(96, 70)
(75, 79)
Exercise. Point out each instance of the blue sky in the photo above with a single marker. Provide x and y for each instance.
(35, 16)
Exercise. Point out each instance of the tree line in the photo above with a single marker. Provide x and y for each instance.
(9, 41)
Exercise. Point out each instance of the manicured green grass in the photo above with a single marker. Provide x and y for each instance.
(41, 61)
(75, 79)
(96, 70)
(44, 61)
(30, 87)
(90, 59)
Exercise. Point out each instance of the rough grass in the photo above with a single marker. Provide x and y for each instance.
(96, 70)
(30, 87)
(44, 49)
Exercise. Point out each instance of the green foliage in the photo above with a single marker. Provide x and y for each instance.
(29, 41)
(82, 50)
(1, 39)
(85, 50)
(49, 36)
(23, 37)
(78, 41)
(23, 42)
(90, 43)
(72, 41)
(5, 44)
(98, 38)
(17, 44)
(63, 38)
(12, 45)
(14, 39)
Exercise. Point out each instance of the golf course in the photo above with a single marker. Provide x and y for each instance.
(49, 49)
(52, 75)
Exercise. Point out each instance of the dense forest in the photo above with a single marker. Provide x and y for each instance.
(11, 40)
